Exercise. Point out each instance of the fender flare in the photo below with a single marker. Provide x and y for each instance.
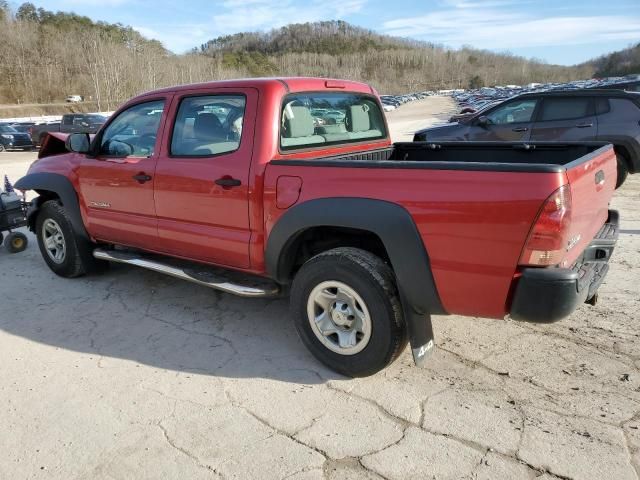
(63, 188)
(391, 222)
(396, 229)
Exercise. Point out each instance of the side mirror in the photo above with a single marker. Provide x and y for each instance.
(483, 121)
(78, 143)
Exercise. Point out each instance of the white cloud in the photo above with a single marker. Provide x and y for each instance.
(246, 15)
(482, 25)
(91, 3)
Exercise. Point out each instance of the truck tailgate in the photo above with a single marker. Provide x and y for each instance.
(592, 181)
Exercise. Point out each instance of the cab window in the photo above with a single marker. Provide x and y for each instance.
(519, 111)
(318, 119)
(208, 125)
(133, 132)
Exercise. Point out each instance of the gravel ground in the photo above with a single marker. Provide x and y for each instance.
(137, 375)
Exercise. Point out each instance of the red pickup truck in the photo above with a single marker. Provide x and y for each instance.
(263, 186)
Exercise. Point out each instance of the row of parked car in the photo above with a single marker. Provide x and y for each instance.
(594, 110)
(29, 135)
(472, 101)
(391, 102)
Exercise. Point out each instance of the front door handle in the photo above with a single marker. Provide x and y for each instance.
(520, 129)
(228, 182)
(584, 125)
(141, 177)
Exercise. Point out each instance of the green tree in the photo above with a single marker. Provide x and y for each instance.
(5, 13)
(476, 82)
(27, 12)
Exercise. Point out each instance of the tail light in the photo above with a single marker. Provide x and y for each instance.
(547, 242)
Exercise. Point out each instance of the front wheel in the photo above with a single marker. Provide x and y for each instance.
(347, 312)
(66, 254)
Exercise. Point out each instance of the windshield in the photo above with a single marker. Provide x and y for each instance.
(319, 119)
(7, 129)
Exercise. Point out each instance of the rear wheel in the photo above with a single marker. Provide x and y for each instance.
(2, 148)
(623, 171)
(16, 242)
(347, 312)
(65, 253)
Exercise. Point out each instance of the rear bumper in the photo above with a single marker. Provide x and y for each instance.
(545, 295)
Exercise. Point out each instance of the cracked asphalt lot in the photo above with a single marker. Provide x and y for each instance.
(132, 374)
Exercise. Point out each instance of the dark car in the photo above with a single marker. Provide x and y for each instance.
(582, 115)
(12, 139)
(71, 123)
(630, 86)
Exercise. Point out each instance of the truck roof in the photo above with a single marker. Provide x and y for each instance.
(291, 84)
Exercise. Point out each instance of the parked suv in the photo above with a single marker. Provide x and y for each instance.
(13, 139)
(605, 115)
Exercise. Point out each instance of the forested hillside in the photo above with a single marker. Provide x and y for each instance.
(618, 63)
(48, 55)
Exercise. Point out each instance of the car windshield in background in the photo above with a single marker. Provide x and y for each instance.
(7, 129)
(317, 119)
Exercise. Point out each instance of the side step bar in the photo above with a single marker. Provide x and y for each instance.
(216, 278)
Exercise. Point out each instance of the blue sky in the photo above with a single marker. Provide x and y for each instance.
(562, 31)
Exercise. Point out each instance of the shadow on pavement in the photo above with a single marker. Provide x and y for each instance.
(152, 319)
(631, 232)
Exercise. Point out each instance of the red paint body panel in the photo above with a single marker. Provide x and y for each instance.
(589, 200)
(473, 223)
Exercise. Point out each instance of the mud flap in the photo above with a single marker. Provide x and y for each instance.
(420, 332)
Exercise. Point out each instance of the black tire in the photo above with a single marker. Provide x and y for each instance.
(374, 282)
(78, 259)
(16, 242)
(1, 238)
(2, 148)
(623, 171)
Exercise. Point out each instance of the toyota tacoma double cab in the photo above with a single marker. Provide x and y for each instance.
(265, 187)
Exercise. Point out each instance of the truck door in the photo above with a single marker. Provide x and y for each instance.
(510, 122)
(570, 118)
(67, 123)
(117, 183)
(202, 182)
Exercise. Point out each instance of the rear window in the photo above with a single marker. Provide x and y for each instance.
(318, 119)
(564, 108)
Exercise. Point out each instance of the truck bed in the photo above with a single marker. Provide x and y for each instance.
(473, 156)
(473, 203)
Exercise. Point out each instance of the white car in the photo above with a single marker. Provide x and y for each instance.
(388, 108)
(73, 99)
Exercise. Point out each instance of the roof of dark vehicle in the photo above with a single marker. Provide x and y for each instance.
(590, 92)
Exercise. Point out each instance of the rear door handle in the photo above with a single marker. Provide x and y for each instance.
(141, 177)
(584, 125)
(520, 129)
(228, 182)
